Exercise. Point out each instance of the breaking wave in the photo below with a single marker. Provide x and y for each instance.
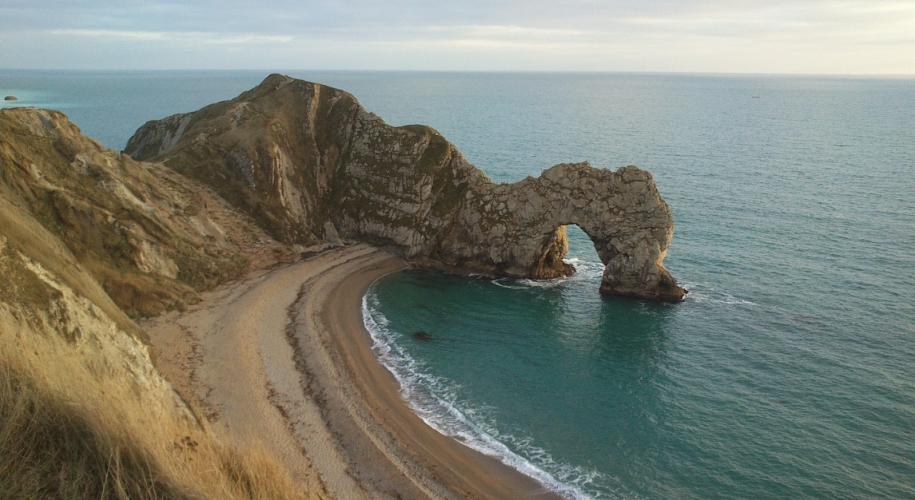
(435, 401)
(585, 270)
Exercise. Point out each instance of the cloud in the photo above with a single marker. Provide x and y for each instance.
(505, 31)
(118, 34)
(210, 38)
(833, 36)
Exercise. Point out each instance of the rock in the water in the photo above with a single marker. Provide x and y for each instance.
(423, 336)
(10, 98)
(296, 155)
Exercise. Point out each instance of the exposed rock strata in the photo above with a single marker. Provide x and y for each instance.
(149, 236)
(52, 302)
(52, 308)
(309, 163)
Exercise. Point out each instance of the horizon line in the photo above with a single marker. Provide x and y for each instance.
(491, 71)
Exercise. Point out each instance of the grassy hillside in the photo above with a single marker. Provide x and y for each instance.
(65, 434)
(87, 241)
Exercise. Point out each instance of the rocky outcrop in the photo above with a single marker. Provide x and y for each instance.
(55, 315)
(149, 236)
(50, 306)
(309, 163)
(69, 217)
(10, 98)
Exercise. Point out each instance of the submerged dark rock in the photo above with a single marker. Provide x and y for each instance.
(423, 336)
(297, 155)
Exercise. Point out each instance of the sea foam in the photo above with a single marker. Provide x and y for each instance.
(585, 270)
(435, 401)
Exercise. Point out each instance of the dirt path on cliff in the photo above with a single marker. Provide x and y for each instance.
(281, 360)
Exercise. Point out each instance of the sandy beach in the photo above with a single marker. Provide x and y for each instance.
(281, 359)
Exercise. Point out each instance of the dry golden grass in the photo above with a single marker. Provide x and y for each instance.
(66, 432)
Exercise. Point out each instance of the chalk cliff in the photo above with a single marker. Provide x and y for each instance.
(308, 163)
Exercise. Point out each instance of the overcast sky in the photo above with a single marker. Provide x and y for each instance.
(776, 36)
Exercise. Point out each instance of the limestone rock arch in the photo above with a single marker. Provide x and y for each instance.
(519, 229)
(309, 163)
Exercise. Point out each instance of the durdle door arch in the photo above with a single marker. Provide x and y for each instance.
(621, 212)
(308, 162)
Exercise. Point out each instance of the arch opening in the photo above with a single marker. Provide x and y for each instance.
(567, 242)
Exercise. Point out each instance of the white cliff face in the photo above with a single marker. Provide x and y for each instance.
(409, 188)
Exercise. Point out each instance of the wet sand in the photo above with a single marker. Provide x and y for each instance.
(281, 359)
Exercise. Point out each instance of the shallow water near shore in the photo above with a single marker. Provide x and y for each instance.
(789, 369)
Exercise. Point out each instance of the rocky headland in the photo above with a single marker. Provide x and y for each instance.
(310, 164)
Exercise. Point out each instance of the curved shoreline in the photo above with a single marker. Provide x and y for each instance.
(282, 358)
(458, 467)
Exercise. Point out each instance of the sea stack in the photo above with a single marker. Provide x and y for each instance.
(10, 98)
(308, 163)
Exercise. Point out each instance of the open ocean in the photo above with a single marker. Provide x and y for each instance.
(788, 372)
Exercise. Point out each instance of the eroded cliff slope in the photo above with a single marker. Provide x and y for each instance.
(151, 237)
(309, 164)
(86, 237)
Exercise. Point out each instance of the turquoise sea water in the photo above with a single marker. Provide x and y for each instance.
(789, 371)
